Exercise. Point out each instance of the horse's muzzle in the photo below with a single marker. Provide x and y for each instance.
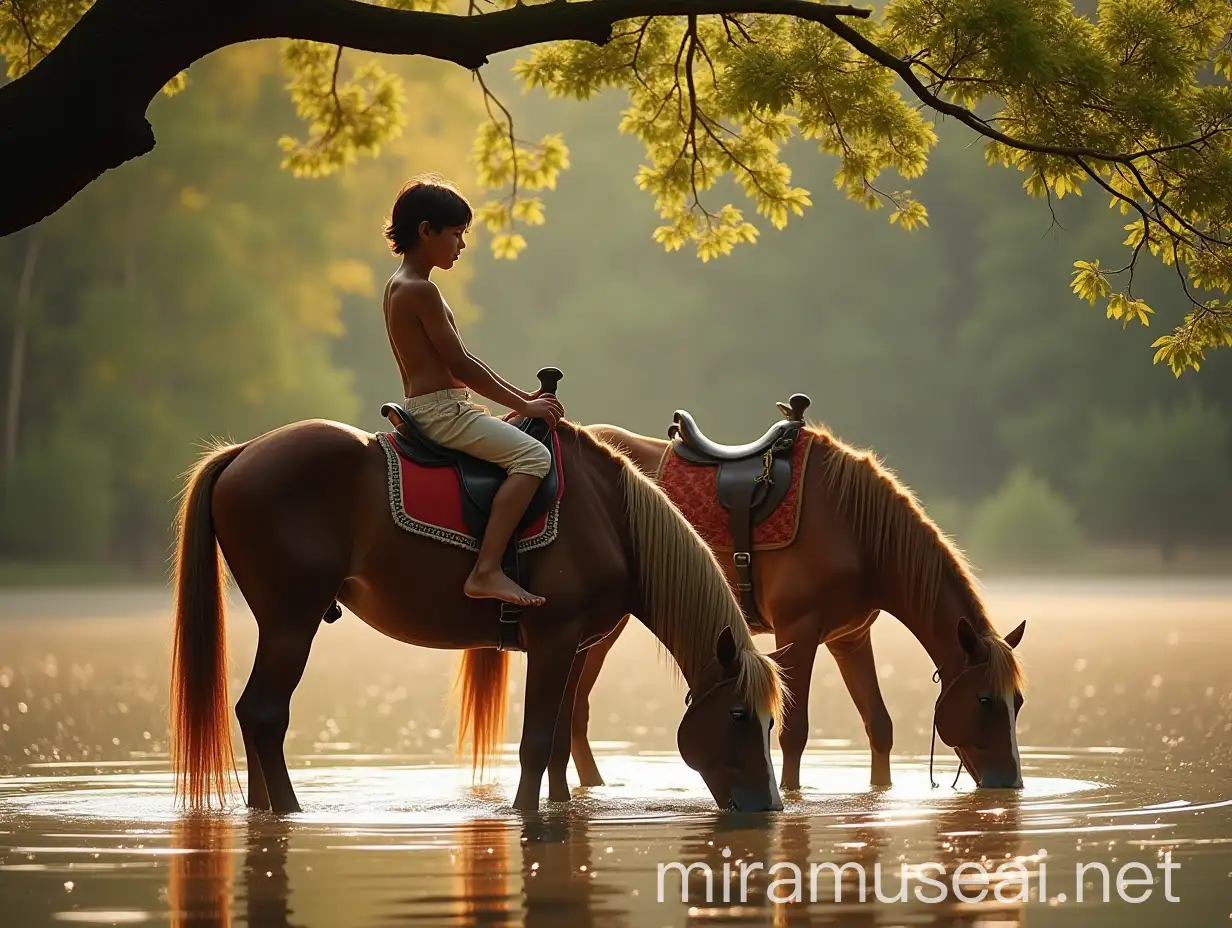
(745, 800)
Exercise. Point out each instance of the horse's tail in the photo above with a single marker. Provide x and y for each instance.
(483, 678)
(200, 729)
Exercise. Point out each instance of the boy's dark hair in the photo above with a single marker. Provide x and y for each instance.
(428, 198)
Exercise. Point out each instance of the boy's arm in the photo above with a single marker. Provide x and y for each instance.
(505, 383)
(428, 306)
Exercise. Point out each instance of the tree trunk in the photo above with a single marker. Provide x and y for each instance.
(17, 359)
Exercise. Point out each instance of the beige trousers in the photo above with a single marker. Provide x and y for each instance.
(449, 418)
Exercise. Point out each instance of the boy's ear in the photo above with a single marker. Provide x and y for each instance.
(424, 229)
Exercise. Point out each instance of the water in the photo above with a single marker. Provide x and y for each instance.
(1125, 737)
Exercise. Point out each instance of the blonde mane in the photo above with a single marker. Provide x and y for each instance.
(684, 594)
(895, 532)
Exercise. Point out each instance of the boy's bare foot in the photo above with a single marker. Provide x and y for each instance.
(496, 585)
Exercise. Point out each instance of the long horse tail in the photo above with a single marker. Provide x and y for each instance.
(483, 679)
(201, 751)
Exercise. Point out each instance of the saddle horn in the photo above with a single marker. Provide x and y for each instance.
(549, 379)
(799, 403)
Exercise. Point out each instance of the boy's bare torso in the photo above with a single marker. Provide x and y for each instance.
(422, 368)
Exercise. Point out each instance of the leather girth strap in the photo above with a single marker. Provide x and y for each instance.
(746, 481)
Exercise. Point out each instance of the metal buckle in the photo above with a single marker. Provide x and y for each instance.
(509, 618)
(742, 558)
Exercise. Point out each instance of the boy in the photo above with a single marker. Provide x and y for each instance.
(426, 228)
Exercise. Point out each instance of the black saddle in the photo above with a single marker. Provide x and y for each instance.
(479, 481)
(752, 481)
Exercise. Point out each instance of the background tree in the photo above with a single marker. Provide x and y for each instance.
(1162, 477)
(191, 294)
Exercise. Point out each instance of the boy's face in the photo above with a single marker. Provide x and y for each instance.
(443, 247)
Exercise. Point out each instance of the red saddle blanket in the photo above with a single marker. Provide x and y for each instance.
(694, 490)
(427, 501)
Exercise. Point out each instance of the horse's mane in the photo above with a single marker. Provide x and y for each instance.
(684, 593)
(895, 532)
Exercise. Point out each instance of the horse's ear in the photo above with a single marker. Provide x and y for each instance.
(970, 641)
(1015, 636)
(725, 649)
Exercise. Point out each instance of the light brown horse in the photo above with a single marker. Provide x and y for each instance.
(302, 516)
(864, 545)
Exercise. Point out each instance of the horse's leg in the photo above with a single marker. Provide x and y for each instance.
(258, 795)
(854, 655)
(549, 665)
(558, 763)
(583, 757)
(797, 662)
(264, 709)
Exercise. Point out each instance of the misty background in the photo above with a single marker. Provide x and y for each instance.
(201, 291)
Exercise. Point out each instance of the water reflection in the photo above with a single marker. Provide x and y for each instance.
(201, 880)
(266, 884)
(605, 859)
(837, 866)
(987, 875)
(561, 883)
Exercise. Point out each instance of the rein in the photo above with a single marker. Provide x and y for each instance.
(932, 750)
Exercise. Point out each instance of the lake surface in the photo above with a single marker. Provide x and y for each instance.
(1126, 738)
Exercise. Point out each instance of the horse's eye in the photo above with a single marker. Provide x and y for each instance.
(986, 701)
(739, 715)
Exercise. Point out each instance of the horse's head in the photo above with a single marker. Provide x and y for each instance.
(726, 738)
(978, 709)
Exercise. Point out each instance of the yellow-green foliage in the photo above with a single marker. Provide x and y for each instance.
(1134, 102)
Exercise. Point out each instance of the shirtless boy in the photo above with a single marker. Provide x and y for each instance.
(426, 228)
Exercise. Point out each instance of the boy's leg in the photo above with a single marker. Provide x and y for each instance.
(488, 579)
(466, 427)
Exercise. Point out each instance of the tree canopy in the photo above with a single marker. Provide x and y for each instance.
(1130, 100)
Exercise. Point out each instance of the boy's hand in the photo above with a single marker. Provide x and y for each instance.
(546, 407)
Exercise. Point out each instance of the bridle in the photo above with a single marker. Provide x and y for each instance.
(690, 702)
(932, 750)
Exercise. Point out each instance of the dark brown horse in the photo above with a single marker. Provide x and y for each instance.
(302, 516)
(863, 545)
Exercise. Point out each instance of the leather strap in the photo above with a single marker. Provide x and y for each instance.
(508, 638)
(743, 487)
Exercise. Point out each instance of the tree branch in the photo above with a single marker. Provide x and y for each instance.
(81, 110)
(95, 86)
